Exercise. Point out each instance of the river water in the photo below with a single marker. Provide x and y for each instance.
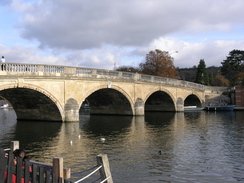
(158, 147)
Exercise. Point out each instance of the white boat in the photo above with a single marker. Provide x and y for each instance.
(4, 105)
(192, 108)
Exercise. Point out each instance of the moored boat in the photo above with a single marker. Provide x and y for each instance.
(4, 105)
(220, 108)
(193, 108)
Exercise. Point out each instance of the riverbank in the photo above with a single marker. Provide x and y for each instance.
(239, 108)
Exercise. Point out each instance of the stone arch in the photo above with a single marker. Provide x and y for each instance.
(192, 93)
(192, 100)
(31, 114)
(163, 90)
(153, 102)
(112, 87)
(36, 88)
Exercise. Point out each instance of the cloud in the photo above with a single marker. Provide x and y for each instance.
(190, 53)
(89, 24)
(29, 55)
(103, 58)
(100, 33)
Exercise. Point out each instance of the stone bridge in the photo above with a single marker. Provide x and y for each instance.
(58, 93)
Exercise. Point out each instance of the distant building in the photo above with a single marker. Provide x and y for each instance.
(239, 93)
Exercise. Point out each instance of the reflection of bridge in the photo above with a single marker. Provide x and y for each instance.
(56, 93)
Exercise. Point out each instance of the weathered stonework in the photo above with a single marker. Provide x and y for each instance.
(62, 90)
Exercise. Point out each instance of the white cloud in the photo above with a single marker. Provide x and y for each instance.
(87, 24)
(190, 53)
(28, 55)
(100, 33)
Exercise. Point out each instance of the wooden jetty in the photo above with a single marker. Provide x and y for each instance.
(37, 172)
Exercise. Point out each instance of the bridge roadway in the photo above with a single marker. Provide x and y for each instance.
(57, 93)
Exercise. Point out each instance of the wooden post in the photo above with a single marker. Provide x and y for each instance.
(102, 159)
(67, 172)
(34, 173)
(2, 164)
(19, 170)
(14, 145)
(27, 170)
(58, 167)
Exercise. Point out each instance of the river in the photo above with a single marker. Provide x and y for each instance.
(158, 147)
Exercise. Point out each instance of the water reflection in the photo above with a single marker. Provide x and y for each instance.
(105, 125)
(160, 147)
(7, 126)
(34, 136)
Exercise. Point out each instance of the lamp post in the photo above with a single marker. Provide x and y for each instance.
(173, 52)
(114, 65)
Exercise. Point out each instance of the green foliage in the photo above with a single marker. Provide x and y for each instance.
(202, 75)
(210, 77)
(189, 74)
(233, 67)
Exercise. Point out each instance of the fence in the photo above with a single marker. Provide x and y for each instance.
(37, 172)
(103, 168)
(30, 172)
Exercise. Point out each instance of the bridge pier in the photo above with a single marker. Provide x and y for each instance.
(139, 107)
(180, 105)
(71, 116)
(71, 111)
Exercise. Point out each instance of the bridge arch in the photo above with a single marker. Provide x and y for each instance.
(192, 100)
(111, 100)
(160, 100)
(31, 102)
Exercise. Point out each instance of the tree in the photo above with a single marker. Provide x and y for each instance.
(202, 75)
(159, 63)
(219, 80)
(128, 69)
(233, 67)
(210, 78)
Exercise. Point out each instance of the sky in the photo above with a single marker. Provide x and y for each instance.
(106, 33)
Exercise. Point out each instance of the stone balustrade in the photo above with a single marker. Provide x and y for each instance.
(37, 70)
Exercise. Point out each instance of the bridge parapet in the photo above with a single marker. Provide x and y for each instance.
(37, 70)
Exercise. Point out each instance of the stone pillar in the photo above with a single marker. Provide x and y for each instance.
(71, 111)
(40, 70)
(179, 105)
(139, 107)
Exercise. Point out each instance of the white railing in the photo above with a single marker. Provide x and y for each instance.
(102, 167)
(89, 175)
(19, 68)
(65, 71)
(54, 69)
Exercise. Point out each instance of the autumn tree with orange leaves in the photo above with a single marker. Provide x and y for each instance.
(159, 63)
